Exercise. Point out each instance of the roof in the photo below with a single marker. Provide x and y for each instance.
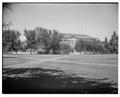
(77, 36)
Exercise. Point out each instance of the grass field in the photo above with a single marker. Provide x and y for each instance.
(87, 73)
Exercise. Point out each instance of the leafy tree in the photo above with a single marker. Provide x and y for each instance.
(89, 46)
(65, 48)
(31, 39)
(40, 37)
(106, 43)
(56, 39)
(44, 39)
(106, 46)
(10, 40)
(114, 43)
(50, 39)
(80, 46)
(97, 47)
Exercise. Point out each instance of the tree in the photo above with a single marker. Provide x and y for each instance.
(31, 39)
(97, 47)
(114, 43)
(65, 48)
(40, 37)
(106, 43)
(56, 39)
(106, 46)
(10, 40)
(80, 46)
(44, 38)
(89, 46)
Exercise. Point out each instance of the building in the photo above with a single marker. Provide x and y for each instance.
(71, 39)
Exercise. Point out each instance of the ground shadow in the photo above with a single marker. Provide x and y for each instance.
(9, 57)
(36, 80)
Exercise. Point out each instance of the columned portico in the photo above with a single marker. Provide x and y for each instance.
(71, 41)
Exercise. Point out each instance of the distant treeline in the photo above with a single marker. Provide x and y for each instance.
(105, 47)
(48, 41)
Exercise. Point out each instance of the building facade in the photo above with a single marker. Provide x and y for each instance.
(71, 39)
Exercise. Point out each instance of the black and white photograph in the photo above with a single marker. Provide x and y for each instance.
(60, 47)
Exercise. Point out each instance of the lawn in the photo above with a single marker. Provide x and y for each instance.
(81, 73)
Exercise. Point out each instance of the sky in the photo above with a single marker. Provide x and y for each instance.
(96, 20)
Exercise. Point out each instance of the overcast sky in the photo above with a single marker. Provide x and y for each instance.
(97, 20)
